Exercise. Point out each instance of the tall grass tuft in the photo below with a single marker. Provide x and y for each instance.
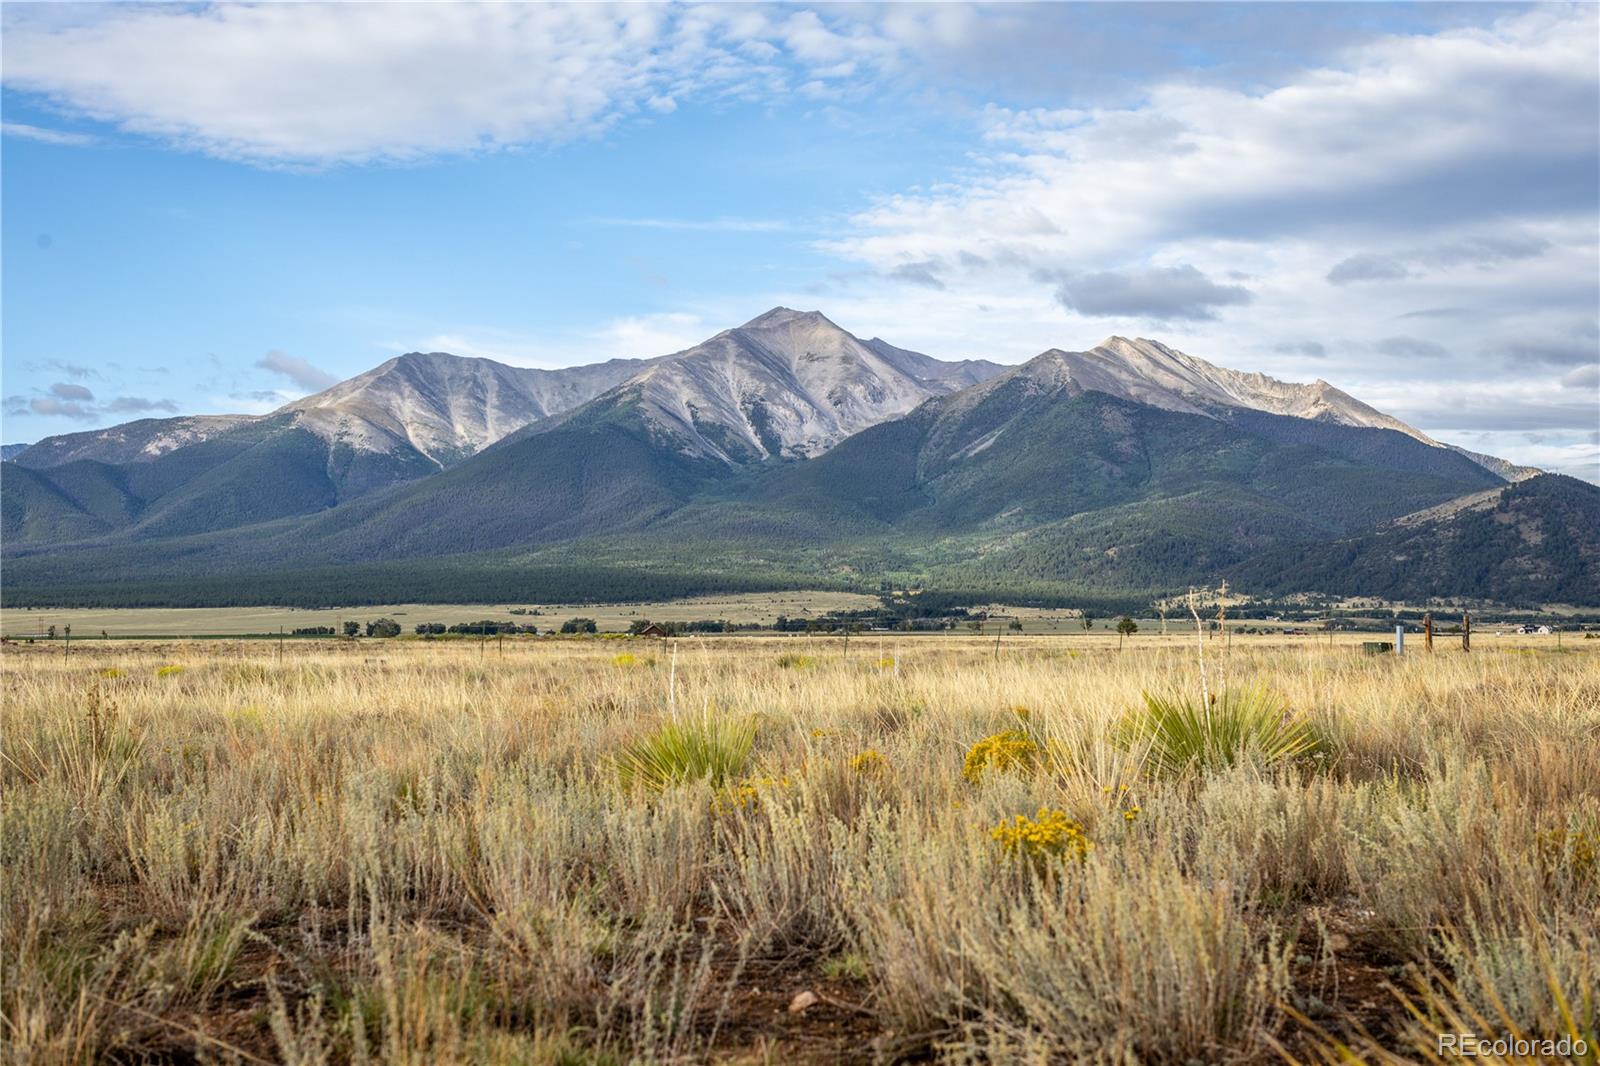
(714, 749)
(1240, 725)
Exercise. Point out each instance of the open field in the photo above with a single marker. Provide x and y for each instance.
(598, 851)
(89, 622)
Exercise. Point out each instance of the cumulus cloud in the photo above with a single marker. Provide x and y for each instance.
(139, 405)
(918, 274)
(62, 390)
(623, 337)
(66, 400)
(51, 405)
(297, 370)
(1446, 179)
(1160, 293)
(1582, 379)
(317, 84)
(1367, 267)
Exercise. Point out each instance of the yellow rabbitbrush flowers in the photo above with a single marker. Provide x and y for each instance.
(628, 659)
(1012, 750)
(1048, 836)
(870, 763)
(1574, 851)
(747, 794)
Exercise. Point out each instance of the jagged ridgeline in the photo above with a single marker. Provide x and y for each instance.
(788, 453)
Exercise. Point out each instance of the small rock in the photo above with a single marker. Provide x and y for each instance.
(1338, 942)
(801, 1001)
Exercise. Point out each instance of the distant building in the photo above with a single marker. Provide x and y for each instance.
(651, 630)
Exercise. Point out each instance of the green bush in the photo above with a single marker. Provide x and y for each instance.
(1239, 725)
(712, 749)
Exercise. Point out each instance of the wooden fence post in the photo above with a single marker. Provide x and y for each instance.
(1427, 632)
(1466, 631)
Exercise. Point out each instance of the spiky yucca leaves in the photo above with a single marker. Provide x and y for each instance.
(1239, 725)
(713, 749)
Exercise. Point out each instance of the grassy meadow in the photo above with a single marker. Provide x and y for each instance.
(89, 622)
(760, 850)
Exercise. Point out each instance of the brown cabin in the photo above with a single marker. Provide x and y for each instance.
(652, 630)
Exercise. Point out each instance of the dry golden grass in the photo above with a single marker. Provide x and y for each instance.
(410, 852)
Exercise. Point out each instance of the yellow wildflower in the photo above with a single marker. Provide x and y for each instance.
(1011, 750)
(1048, 836)
(870, 763)
(747, 794)
(1576, 851)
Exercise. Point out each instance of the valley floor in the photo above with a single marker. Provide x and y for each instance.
(90, 622)
(762, 850)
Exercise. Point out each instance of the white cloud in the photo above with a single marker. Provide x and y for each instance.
(1422, 212)
(45, 136)
(302, 373)
(624, 337)
(63, 390)
(314, 84)
(650, 335)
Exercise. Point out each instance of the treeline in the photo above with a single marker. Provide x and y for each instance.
(645, 627)
(424, 581)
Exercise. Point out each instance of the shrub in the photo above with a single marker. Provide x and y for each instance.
(1043, 839)
(713, 750)
(747, 793)
(1012, 750)
(870, 763)
(1239, 725)
(1572, 851)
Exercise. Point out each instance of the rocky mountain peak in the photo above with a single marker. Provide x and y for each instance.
(788, 316)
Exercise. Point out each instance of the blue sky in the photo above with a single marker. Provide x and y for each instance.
(219, 209)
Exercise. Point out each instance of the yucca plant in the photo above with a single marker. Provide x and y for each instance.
(711, 749)
(1238, 725)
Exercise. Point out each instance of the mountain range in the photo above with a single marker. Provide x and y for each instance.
(786, 452)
